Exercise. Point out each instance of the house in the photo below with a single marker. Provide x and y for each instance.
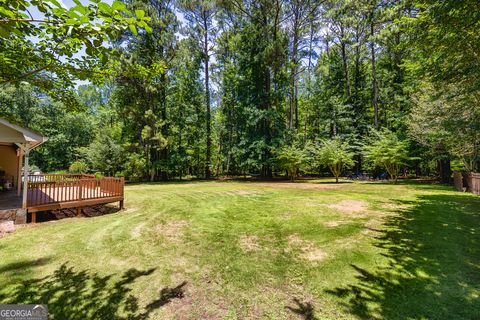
(43, 192)
(15, 146)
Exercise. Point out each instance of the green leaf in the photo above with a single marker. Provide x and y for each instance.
(4, 32)
(80, 9)
(104, 7)
(89, 51)
(117, 5)
(133, 28)
(56, 3)
(140, 13)
(7, 13)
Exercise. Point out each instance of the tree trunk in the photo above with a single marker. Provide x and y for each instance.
(334, 123)
(309, 75)
(298, 28)
(291, 115)
(445, 171)
(358, 163)
(163, 154)
(374, 74)
(266, 168)
(294, 77)
(343, 46)
(207, 100)
(267, 103)
(357, 104)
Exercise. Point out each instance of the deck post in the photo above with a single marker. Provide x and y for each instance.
(25, 177)
(80, 190)
(34, 217)
(79, 211)
(19, 172)
(122, 191)
(120, 204)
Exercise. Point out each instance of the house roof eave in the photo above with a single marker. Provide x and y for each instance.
(25, 136)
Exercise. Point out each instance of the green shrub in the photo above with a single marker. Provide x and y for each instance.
(291, 159)
(387, 151)
(78, 167)
(336, 155)
(134, 167)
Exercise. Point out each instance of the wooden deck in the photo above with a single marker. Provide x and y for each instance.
(52, 192)
(10, 200)
(60, 191)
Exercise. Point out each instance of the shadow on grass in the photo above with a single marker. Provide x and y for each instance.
(87, 212)
(72, 294)
(434, 264)
(22, 265)
(304, 310)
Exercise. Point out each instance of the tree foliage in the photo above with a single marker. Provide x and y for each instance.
(336, 155)
(387, 151)
(78, 167)
(291, 159)
(104, 154)
(40, 41)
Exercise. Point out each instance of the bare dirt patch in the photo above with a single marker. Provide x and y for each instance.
(172, 230)
(372, 227)
(347, 242)
(245, 193)
(137, 231)
(118, 262)
(295, 241)
(308, 250)
(349, 206)
(394, 207)
(196, 300)
(249, 243)
(313, 255)
(334, 223)
(129, 209)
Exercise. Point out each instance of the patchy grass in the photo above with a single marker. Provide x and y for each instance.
(248, 250)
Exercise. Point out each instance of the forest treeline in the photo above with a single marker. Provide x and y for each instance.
(264, 87)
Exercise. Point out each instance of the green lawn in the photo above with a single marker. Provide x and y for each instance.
(256, 250)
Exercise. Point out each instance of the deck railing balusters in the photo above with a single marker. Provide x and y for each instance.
(57, 188)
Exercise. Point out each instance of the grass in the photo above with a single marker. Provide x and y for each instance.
(248, 250)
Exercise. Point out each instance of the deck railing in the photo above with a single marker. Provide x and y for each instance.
(47, 177)
(55, 188)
